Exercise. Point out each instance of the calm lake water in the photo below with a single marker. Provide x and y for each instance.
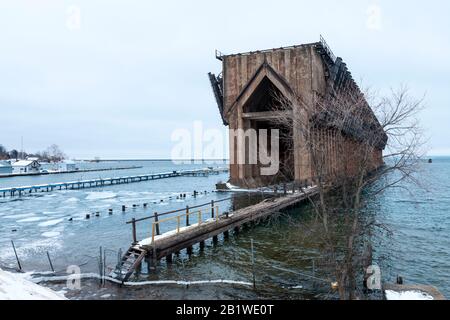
(419, 249)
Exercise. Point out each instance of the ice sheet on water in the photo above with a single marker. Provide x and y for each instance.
(50, 223)
(101, 195)
(31, 219)
(19, 216)
(49, 213)
(51, 234)
(28, 248)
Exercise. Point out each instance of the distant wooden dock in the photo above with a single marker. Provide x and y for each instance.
(11, 175)
(95, 183)
(195, 225)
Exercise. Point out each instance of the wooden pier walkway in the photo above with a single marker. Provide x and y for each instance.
(197, 224)
(47, 173)
(95, 183)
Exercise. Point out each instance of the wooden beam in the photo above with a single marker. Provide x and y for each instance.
(266, 115)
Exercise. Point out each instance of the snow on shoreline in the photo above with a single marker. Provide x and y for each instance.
(14, 286)
(407, 295)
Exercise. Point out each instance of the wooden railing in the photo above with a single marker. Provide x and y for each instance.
(186, 214)
(198, 213)
(327, 49)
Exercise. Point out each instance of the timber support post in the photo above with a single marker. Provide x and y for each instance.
(156, 223)
(133, 224)
(187, 216)
(17, 257)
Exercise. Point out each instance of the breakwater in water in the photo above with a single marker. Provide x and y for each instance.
(95, 183)
(45, 173)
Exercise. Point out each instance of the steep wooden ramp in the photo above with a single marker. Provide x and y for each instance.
(130, 262)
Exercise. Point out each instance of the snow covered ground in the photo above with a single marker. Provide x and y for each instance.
(15, 287)
(407, 295)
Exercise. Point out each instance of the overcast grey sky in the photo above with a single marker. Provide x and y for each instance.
(116, 83)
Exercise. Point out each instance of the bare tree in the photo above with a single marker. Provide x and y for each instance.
(347, 173)
(14, 154)
(55, 153)
(3, 153)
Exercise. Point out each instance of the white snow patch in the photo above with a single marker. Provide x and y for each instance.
(15, 287)
(230, 186)
(148, 241)
(407, 295)
(297, 287)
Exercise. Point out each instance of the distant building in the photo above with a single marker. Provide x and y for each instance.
(67, 166)
(26, 166)
(5, 167)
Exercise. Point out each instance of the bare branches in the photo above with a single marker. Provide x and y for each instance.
(345, 140)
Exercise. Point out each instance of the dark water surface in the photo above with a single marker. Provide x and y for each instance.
(419, 249)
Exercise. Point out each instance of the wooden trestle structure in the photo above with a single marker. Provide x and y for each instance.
(195, 225)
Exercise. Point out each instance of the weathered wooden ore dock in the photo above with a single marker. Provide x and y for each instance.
(95, 183)
(160, 246)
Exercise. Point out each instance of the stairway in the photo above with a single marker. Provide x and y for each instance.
(129, 263)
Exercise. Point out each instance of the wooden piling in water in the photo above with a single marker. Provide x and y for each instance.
(134, 230)
(187, 216)
(253, 263)
(17, 256)
(156, 223)
(50, 262)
